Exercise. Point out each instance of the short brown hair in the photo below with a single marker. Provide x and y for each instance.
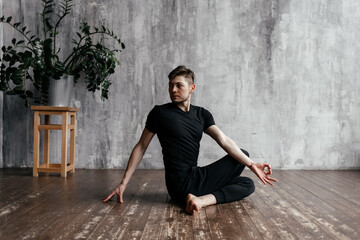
(182, 71)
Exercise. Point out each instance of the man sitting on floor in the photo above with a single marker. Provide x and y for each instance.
(179, 126)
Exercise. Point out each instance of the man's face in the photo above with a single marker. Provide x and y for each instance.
(180, 89)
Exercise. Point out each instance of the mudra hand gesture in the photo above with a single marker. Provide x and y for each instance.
(263, 171)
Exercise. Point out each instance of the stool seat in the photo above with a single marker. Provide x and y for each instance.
(65, 127)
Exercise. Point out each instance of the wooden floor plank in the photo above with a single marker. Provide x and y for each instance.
(245, 223)
(87, 211)
(263, 225)
(331, 220)
(152, 229)
(229, 225)
(26, 203)
(170, 226)
(200, 226)
(260, 221)
(281, 220)
(215, 222)
(336, 200)
(330, 182)
(304, 204)
(15, 187)
(122, 219)
(299, 222)
(137, 221)
(342, 178)
(184, 225)
(40, 216)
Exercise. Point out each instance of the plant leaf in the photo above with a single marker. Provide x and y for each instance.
(16, 24)
(29, 94)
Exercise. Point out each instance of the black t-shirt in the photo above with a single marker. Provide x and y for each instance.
(179, 134)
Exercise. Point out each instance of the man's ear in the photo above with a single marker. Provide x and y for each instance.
(192, 88)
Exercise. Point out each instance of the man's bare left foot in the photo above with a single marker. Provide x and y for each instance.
(192, 204)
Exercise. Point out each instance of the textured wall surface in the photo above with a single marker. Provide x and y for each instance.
(1, 102)
(280, 77)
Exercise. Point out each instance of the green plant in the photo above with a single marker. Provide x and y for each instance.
(28, 64)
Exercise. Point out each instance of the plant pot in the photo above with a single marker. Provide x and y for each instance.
(60, 91)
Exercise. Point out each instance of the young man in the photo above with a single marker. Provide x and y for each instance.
(179, 126)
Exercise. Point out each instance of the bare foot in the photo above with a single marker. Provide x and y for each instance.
(193, 204)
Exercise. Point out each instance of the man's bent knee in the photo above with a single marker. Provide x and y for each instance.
(251, 186)
(245, 152)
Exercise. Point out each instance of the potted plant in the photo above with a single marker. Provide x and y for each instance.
(28, 65)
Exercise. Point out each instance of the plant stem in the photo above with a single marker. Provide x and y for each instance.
(22, 33)
(67, 8)
(43, 21)
(77, 48)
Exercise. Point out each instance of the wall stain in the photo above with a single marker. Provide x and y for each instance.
(245, 76)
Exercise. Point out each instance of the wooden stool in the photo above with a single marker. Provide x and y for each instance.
(65, 112)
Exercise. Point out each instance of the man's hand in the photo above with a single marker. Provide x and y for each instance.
(263, 171)
(118, 191)
(135, 158)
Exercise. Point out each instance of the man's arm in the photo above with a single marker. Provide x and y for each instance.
(134, 160)
(262, 170)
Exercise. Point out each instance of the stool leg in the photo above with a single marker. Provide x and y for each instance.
(47, 142)
(36, 143)
(72, 143)
(65, 129)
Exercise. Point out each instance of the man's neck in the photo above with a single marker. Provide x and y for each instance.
(185, 106)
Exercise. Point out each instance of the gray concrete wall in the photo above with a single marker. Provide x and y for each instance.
(280, 77)
(18, 120)
(1, 100)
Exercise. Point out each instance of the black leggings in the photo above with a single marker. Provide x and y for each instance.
(221, 179)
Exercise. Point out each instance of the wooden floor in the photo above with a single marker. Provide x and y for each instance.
(303, 205)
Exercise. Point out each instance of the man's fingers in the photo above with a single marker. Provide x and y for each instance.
(272, 179)
(269, 182)
(119, 198)
(110, 196)
(263, 180)
(267, 179)
(267, 169)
